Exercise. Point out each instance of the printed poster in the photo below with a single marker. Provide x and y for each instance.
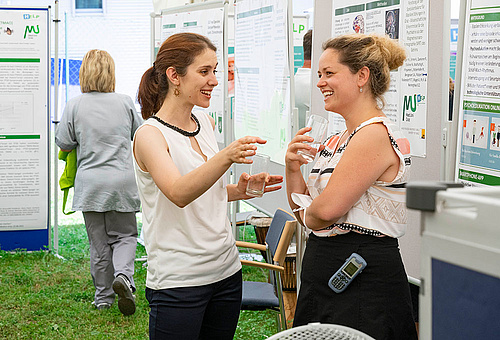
(262, 75)
(478, 152)
(405, 21)
(24, 119)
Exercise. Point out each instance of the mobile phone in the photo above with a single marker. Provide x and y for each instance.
(349, 270)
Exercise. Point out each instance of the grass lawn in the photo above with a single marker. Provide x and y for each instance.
(45, 297)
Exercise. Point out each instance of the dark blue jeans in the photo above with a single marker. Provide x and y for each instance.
(192, 313)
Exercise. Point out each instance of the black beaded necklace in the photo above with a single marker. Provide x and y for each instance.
(181, 131)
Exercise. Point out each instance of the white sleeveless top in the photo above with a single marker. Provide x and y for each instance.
(381, 210)
(188, 246)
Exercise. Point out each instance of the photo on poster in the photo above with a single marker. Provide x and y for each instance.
(495, 134)
(475, 131)
(392, 23)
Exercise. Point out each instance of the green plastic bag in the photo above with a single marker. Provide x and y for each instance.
(67, 179)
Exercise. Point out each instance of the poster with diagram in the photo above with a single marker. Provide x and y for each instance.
(407, 22)
(24, 121)
(478, 151)
(207, 21)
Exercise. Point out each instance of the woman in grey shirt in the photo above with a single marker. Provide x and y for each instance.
(100, 124)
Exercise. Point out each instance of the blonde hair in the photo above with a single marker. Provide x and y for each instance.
(380, 54)
(97, 72)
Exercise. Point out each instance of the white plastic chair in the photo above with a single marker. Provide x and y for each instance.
(319, 331)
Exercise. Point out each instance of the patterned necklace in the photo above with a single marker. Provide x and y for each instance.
(181, 131)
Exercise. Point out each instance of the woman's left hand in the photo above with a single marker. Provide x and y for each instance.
(271, 184)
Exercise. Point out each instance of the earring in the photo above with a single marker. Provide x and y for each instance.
(360, 89)
(176, 92)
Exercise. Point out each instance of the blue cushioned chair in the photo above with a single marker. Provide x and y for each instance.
(263, 295)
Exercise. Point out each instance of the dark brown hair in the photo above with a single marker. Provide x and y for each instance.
(178, 51)
(307, 44)
(380, 54)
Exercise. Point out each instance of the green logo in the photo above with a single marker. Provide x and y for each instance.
(410, 104)
(31, 29)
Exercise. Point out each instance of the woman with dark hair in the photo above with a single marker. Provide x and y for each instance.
(100, 124)
(193, 283)
(357, 196)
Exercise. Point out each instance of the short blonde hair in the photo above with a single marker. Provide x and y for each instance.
(380, 54)
(97, 72)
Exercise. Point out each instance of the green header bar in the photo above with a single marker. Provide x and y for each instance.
(19, 137)
(350, 9)
(485, 17)
(481, 106)
(477, 177)
(380, 4)
(191, 23)
(19, 60)
(169, 26)
(479, 8)
(257, 11)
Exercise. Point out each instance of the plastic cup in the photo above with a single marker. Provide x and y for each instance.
(318, 126)
(259, 172)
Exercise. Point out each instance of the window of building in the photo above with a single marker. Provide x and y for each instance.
(89, 6)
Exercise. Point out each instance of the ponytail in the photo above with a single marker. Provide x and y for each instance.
(148, 94)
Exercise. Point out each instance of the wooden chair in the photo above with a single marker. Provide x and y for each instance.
(263, 295)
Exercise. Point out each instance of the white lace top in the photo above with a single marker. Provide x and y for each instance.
(381, 210)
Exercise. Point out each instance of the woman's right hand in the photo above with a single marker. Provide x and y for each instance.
(241, 148)
(293, 160)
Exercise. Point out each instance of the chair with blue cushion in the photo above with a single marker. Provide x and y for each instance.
(264, 295)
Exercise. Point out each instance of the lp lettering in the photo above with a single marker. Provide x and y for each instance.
(31, 29)
(300, 29)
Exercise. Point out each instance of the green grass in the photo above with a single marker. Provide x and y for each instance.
(45, 297)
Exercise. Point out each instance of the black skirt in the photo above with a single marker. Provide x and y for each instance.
(377, 302)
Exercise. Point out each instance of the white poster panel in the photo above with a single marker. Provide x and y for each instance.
(208, 22)
(24, 118)
(262, 75)
(404, 20)
(478, 152)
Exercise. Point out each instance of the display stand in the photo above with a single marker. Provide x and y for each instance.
(460, 261)
(24, 128)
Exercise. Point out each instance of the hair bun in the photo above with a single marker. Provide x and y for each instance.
(393, 53)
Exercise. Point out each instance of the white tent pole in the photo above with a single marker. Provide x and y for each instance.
(56, 121)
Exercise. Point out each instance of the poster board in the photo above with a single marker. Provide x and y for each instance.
(264, 85)
(478, 146)
(24, 128)
(208, 19)
(405, 21)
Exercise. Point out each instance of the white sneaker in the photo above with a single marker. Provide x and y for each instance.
(101, 306)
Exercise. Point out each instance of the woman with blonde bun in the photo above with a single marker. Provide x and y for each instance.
(357, 195)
